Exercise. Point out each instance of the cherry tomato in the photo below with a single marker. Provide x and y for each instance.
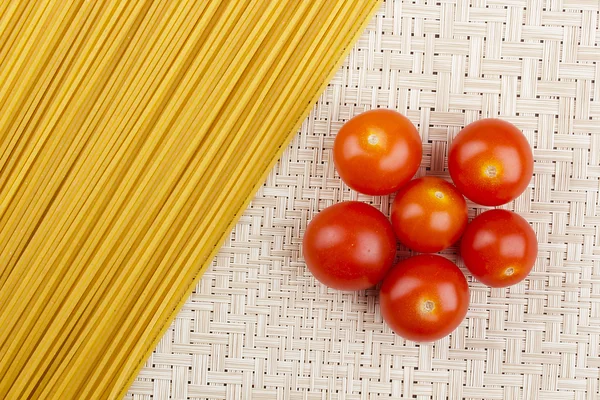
(490, 162)
(377, 152)
(349, 246)
(429, 214)
(424, 298)
(499, 248)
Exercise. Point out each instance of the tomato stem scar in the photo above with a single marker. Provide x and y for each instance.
(439, 195)
(509, 271)
(429, 306)
(373, 139)
(490, 171)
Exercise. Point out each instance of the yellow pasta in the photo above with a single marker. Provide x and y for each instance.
(131, 136)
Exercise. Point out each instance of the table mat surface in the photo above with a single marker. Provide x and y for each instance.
(259, 326)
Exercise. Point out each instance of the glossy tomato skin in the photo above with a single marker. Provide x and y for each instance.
(377, 152)
(490, 162)
(349, 246)
(429, 215)
(499, 248)
(424, 298)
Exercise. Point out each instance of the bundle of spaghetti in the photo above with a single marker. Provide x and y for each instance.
(131, 135)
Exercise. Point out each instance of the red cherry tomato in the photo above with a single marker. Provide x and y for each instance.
(490, 162)
(349, 246)
(377, 152)
(424, 298)
(429, 214)
(499, 248)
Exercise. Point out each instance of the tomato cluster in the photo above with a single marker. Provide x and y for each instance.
(352, 246)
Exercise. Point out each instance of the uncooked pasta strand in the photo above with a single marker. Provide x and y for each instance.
(11, 221)
(27, 209)
(277, 90)
(64, 50)
(127, 147)
(16, 280)
(17, 302)
(37, 353)
(280, 8)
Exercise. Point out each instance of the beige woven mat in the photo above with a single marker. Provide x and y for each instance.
(259, 326)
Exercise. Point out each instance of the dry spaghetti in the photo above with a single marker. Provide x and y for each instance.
(131, 134)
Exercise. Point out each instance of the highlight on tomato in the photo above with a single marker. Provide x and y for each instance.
(349, 246)
(424, 298)
(429, 215)
(490, 162)
(499, 248)
(377, 152)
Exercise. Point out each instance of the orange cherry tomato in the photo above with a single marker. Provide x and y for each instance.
(377, 152)
(424, 298)
(499, 248)
(490, 162)
(429, 214)
(349, 246)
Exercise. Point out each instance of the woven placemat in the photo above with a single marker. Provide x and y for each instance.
(259, 326)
